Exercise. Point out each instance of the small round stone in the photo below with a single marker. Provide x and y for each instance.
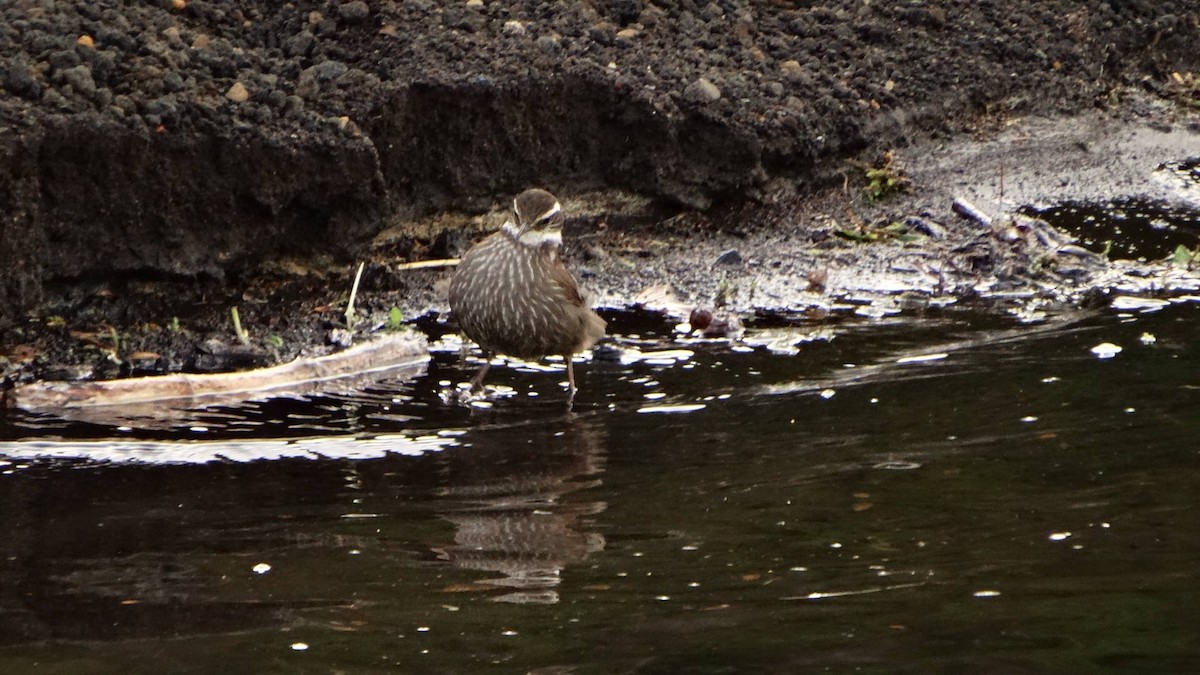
(356, 10)
(238, 93)
(702, 91)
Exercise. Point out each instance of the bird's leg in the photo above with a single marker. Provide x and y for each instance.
(570, 379)
(477, 381)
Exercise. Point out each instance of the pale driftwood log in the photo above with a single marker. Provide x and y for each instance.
(378, 358)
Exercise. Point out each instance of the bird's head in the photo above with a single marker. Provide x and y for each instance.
(537, 218)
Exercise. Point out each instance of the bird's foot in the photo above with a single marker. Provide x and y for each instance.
(475, 396)
(465, 395)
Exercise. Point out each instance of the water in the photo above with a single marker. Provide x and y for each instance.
(1128, 228)
(946, 493)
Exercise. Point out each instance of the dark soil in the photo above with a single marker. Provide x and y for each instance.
(163, 161)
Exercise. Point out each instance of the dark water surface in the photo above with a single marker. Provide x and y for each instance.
(945, 493)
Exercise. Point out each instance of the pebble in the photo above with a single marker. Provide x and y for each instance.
(19, 80)
(712, 11)
(702, 91)
(792, 70)
(354, 11)
(80, 79)
(307, 86)
(62, 60)
(329, 70)
(161, 109)
(53, 99)
(173, 81)
(293, 106)
(299, 44)
(729, 257)
(238, 93)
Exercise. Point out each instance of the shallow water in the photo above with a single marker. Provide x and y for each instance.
(1128, 228)
(951, 492)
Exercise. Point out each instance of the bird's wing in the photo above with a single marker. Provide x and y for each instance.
(562, 276)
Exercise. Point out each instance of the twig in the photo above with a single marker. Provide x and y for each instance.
(966, 209)
(241, 333)
(426, 264)
(353, 295)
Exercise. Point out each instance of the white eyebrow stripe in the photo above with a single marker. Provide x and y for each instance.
(553, 210)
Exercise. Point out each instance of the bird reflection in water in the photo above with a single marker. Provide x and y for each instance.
(508, 505)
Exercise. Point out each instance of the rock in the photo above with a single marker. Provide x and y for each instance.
(276, 99)
(652, 15)
(513, 27)
(238, 93)
(702, 91)
(19, 80)
(463, 17)
(354, 11)
(307, 86)
(729, 257)
(293, 106)
(173, 81)
(64, 59)
(712, 11)
(299, 44)
(602, 33)
(125, 104)
(329, 70)
(52, 99)
(80, 79)
(161, 109)
(791, 69)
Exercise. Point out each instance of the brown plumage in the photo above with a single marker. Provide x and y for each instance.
(512, 293)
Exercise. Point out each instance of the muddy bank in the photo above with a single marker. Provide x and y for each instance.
(160, 163)
(193, 137)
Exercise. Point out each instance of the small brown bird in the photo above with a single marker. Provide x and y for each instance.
(512, 293)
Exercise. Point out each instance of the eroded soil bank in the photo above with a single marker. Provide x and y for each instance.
(161, 163)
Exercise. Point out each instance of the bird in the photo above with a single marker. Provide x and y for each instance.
(512, 294)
